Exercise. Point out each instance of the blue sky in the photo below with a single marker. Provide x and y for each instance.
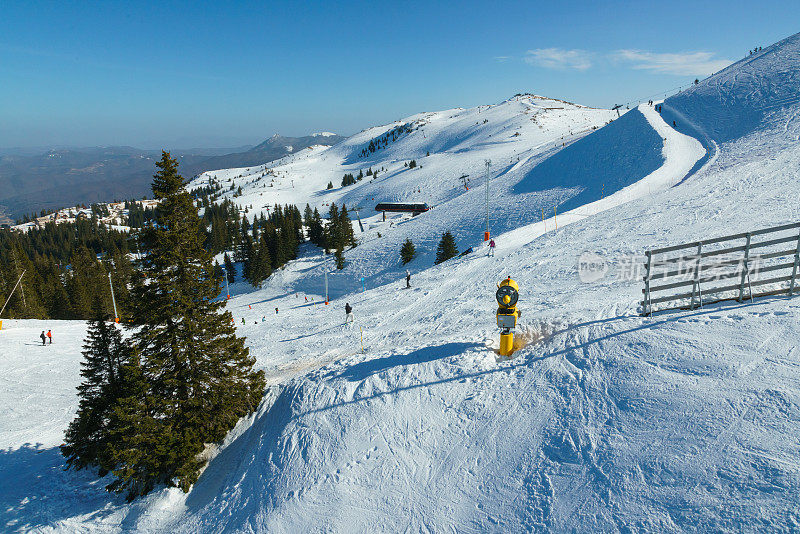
(182, 74)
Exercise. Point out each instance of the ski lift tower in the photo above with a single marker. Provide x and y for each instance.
(488, 165)
(227, 289)
(616, 108)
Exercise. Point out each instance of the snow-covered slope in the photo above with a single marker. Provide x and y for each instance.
(753, 93)
(448, 145)
(408, 421)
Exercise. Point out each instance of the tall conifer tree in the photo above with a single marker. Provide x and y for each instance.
(199, 375)
(104, 356)
(446, 248)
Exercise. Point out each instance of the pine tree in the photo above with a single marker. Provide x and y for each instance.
(230, 269)
(315, 230)
(330, 185)
(199, 376)
(446, 248)
(407, 251)
(339, 258)
(348, 236)
(87, 438)
(133, 430)
(260, 264)
(333, 230)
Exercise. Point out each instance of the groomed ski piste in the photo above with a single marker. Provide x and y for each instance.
(602, 421)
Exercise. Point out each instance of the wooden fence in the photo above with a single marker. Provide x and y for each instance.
(702, 272)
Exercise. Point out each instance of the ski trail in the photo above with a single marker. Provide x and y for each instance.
(681, 152)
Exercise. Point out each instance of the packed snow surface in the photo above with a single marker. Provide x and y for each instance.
(408, 420)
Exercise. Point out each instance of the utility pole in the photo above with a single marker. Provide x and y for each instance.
(12, 293)
(227, 289)
(22, 288)
(113, 300)
(488, 165)
(326, 285)
(360, 225)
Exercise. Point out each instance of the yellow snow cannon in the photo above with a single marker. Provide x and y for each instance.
(507, 314)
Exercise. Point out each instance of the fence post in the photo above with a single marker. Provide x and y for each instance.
(796, 261)
(696, 285)
(648, 308)
(745, 268)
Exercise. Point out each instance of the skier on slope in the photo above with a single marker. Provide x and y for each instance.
(491, 248)
(408, 279)
(348, 310)
(43, 337)
(50, 336)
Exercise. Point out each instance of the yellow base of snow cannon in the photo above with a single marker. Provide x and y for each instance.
(507, 344)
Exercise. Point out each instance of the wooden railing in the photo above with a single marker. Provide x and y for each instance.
(703, 272)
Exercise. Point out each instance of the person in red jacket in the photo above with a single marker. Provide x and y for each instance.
(50, 336)
(491, 247)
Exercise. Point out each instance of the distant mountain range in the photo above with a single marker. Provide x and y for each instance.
(273, 148)
(52, 179)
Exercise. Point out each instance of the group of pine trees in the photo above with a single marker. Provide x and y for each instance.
(66, 270)
(67, 265)
(269, 242)
(335, 234)
(150, 404)
(382, 141)
(138, 215)
(445, 250)
(223, 224)
(350, 178)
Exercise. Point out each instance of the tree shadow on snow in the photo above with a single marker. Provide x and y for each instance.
(363, 370)
(36, 491)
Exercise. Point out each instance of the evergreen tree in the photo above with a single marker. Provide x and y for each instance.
(407, 251)
(333, 233)
(330, 185)
(315, 229)
(230, 269)
(339, 258)
(308, 217)
(446, 248)
(259, 264)
(247, 253)
(199, 376)
(348, 236)
(87, 438)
